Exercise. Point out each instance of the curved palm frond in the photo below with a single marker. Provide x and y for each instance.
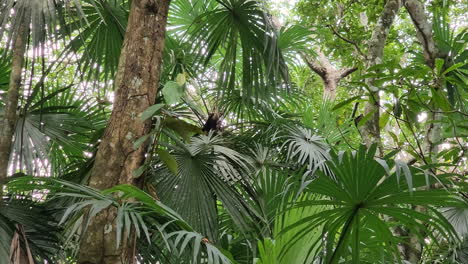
(458, 217)
(28, 226)
(136, 213)
(305, 147)
(208, 173)
(62, 120)
(99, 28)
(39, 14)
(46, 19)
(360, 194)
(239, 34)
(184, 13)
(292, 40)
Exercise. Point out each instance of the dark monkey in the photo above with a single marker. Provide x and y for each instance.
(213, 122)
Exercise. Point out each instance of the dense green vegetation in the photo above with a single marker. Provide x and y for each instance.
(233, 131)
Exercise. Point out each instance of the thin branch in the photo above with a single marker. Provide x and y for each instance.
(346, 72)
(356, 46)
(319, 69)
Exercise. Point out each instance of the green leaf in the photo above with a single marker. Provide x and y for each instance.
(414, 154)
(462, 78)
(453, 67)
(172, 92)
(397, 108)
(180, 79)
(168, 159)
(384, 120)
(440, 100)
(138, 172)
(140, 141)
(182, 128)
(439, 63)
(345, 102)
(150, 111)
(365, 118)
(394, 137)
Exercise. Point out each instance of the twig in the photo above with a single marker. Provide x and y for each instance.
(356, 46)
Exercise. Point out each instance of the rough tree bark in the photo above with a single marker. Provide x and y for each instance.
(328, 73)
(136, 85)
(8, 123)
(412, 249)
(424, 34)
(370, 131)
(423, 30)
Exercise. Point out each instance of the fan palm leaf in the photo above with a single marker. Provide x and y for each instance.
(208, 172)
(63, 120)
(357, 198)
(306, 148)
(242, 32)
(137, 213)
(34, 225)
(99, 39)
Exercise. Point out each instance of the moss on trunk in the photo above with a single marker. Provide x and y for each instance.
(136, 84)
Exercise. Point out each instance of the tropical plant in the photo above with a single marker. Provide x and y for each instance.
(233, 131)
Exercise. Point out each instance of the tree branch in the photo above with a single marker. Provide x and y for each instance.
(356, 46)
(423, 30)
(347, 71)
(329, 74)
(314, 66)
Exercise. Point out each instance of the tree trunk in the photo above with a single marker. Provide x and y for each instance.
(423, 30)
(136, 84)
(370, 131)
(424, 34)
(413, 247)
(7, 128)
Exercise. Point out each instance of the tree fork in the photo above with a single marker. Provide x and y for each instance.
(328, 73)
(136, 85)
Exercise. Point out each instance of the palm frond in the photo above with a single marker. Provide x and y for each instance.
(212, 254)
(100, 39)
(136, 210)
(324, 121)
(359, 195)
(208, 172)
(292, 40)
(458, 217)
(31, 226)
(306, 148)
(61, 119)
(242, 33)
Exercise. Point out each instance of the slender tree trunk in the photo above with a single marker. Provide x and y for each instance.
(136, 85)
(328, 73)
(413, 247)
(424, 34)
(370, 131)
(8, 123)
(423, 30)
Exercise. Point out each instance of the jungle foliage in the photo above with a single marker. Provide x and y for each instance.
(332, 132)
